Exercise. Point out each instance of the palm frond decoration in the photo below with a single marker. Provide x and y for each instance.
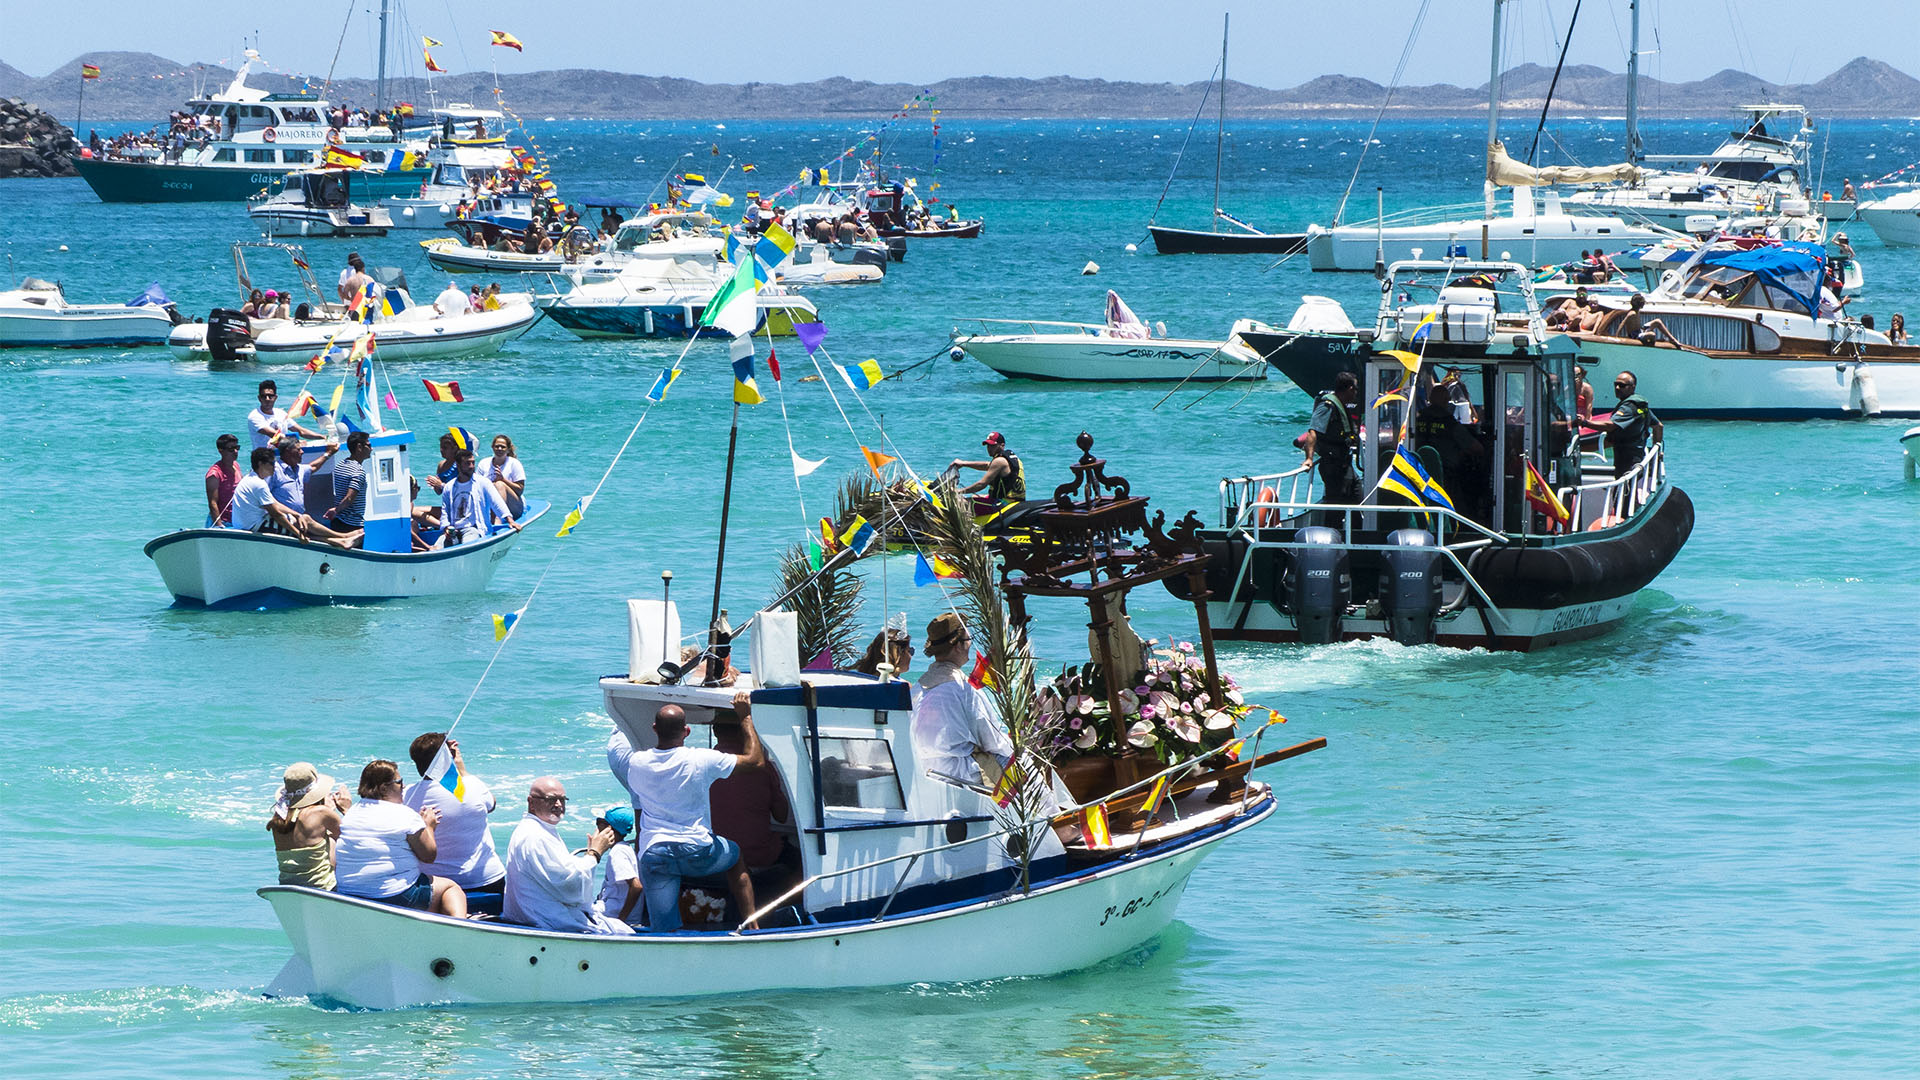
(958, 540)
(828, 608)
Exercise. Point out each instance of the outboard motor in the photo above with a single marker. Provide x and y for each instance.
(1318, 585)
(228, 332)
(1410, 586)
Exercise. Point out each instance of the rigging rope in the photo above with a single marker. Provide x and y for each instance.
(1406, 53)
(1168, 186)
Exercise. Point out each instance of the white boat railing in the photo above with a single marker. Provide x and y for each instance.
(1026, 827)
(1617, 499)
(1033, 326)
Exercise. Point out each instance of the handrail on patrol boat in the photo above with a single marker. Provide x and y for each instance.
(1623, 496)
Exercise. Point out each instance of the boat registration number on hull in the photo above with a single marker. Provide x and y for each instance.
(1137, 905)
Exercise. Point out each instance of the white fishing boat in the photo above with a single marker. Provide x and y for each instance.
(317, 202)
(404, 329)
(1751, 334)
(906, 875)
(1122, 349)
(235, 568)
(664, 298)
(1894, 217)
(37, 315)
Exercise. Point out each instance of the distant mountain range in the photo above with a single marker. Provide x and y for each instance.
(144, 87)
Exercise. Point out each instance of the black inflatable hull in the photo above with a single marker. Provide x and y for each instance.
(1309, 360)
(1547, 594)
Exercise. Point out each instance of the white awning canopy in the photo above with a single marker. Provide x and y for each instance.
(1503, 171)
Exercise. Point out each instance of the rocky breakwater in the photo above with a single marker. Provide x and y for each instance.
(33, 143)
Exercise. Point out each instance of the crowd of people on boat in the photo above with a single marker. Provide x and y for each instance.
(697, 818)
(324, 501)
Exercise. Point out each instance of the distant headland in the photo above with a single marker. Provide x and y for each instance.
(137, 87)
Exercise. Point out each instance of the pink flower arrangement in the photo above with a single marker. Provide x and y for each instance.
(1168, 714)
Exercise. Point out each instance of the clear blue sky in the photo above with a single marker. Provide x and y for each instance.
(1276, 43)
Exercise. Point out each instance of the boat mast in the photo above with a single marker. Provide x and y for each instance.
(726, 503)
(1493, 128)
(380, 80)
(1633, 85)
(1220, 132)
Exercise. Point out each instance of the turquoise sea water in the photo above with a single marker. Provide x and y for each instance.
(1691, 847)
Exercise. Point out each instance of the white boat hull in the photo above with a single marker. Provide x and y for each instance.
(1083, 358)
(1682, 383)
(1896, 220)
(414, 212)
(371, 955)
(83, 325)
(455, 257)
(474, 334)
(1519, 629)
(1534, 239)
(227, 568)
(300, 221)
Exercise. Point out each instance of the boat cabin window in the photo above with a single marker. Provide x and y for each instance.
(225, 153)
(302, 115)
(296, 157)
(374, 157)
(858, 773)
(1750, 171)
(261, 156)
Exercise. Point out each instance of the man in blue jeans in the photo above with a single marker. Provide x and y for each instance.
(669, 784)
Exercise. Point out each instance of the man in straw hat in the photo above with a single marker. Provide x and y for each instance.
(305, 824)
(954, 719)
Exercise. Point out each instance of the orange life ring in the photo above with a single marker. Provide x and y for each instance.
(333, 137)
(268, 135)
(1269, 516)
(1605, 521)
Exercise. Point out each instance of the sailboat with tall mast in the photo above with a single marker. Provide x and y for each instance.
(1212, 241)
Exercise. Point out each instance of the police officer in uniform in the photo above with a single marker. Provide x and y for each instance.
(1630, 427)
(1332, 437)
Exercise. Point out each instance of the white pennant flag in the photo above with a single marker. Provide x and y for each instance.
(803, 467)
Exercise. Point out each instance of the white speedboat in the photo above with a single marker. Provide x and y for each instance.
(37, 315)
(1123, 349)
(1750, 168)
(664, 298)
(317, 202)
(1537, 233)
(693, 236)
(1746, 334)
(232, 568)
(1895, 218)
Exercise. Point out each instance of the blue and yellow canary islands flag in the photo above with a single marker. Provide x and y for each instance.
(864, 375)
(503, 624)
(773, 249)
(443, 770)
(464, 439)
(574, 515)
(1405, 476)
(1424, 326)
(858, 534)
(745, 390)
(657, 393)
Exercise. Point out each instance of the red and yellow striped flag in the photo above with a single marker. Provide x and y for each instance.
(89, 71)
(444, 391)
(501, 37)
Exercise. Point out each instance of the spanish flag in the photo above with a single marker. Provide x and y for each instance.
(303, 404)
(336, 158)
(749, 168)
(1544, 500)
(982, 673)
(431, 66)
(444, 391)
(1093, 825)
(501, 37)
(89, 71)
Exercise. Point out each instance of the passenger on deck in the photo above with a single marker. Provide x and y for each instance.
(277, 306)
(746, 804)
(548, 886)
(1582, 393)
(1651, 330)
(382, 844)
(507, 475)
(1006, 477)
(452, 300)
(472, 506)
(251, 309)
(670, 786)
(256, 510)
(449, 466)
(1331, 438)
(291, 473)
(353, 279)
(492, 297)
(222, 477)
(954, 721)
(1897, 329)
(1631, 427)
(620, 888)
(465, 852)
(893, 646)
(306, 824)
(269, 422)
(350, 484)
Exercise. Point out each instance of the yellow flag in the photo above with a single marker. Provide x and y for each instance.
(333, 406)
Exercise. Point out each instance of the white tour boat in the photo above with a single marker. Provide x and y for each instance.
(1123, 349)
(317, 202)
(1746, 334)
(460, 169)
(1895, 218)
(37, 315)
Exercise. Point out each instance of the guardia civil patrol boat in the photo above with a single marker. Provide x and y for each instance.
(1524, 535)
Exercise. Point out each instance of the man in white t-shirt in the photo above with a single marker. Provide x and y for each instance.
(470, 505)
(669, 785)
(466, 853)
(268, 422)
(620, 892)
(254, 506)
(548, 886)
(452, 300)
